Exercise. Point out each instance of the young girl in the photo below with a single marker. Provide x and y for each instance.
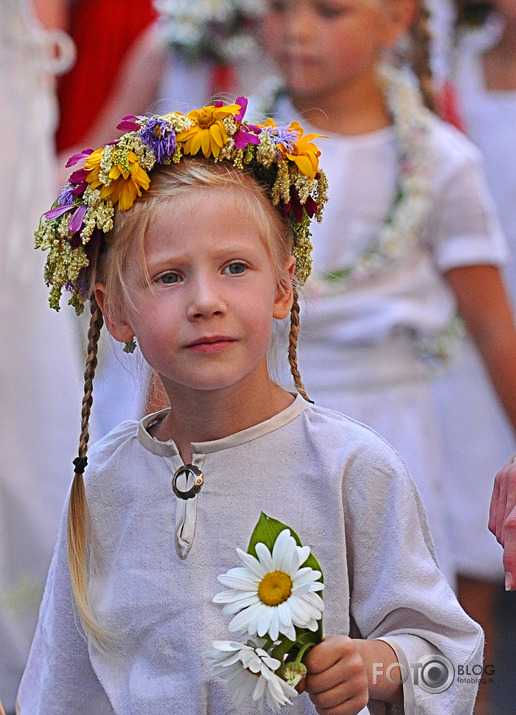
(196, 269)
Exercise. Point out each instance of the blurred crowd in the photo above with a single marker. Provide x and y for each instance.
(71, 69)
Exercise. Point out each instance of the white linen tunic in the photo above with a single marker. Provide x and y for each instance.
(366, 349)
(335, 482)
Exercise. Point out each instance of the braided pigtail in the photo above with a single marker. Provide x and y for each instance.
(78, 515)
(421, 38)
(292, 346)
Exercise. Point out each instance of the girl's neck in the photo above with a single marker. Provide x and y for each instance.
(202, 416)
(353, 110)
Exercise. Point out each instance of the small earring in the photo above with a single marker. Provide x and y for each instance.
(130, 346)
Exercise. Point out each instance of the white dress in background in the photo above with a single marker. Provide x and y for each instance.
(479, 437)
(40, 385)
(366, 350)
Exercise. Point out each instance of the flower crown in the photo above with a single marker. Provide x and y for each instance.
(280, 157)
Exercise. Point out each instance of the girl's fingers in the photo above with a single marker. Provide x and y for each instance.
(495, 504)
(326, 654)
(502, 501)
(345, 699)
(509, 550)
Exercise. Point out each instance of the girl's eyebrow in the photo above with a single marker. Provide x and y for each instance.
(218, 252)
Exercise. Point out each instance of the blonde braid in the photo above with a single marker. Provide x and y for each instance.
(292, 346)
(421, 37)
(78, 515)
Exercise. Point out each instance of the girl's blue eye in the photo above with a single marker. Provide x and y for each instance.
(235, 269)
(329, 12)
(169, 278)
(278, 6)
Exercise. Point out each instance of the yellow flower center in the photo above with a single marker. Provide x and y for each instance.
(274, 588)
(205, 118)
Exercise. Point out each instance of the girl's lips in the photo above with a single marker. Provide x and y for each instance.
(211, 344)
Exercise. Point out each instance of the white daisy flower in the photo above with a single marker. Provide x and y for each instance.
(250, 672)
(272, 594)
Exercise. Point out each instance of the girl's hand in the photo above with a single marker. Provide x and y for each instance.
(337, 679)
(502, 518)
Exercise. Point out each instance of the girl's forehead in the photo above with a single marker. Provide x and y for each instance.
(201, 216)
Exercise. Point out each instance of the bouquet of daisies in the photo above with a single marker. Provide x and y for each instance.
(274, 598)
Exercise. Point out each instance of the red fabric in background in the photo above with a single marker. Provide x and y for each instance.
(448, 106)
(103, 31)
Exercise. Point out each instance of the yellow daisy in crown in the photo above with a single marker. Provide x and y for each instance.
(305, 154)
(126, 177)
(208, 132)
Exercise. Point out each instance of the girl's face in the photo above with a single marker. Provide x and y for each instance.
(205, 320)
(507, 8)
(322, 45)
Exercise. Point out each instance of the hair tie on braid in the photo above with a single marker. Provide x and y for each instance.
(80, 464)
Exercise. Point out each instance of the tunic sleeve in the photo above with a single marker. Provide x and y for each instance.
(463, 228)
(397, 591)
(59, 677)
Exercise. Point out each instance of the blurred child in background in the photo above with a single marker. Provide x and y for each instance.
(410, 234)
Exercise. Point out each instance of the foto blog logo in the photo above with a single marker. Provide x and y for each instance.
(432, 673)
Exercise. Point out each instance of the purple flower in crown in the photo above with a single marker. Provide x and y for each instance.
(76, 158)
(159, 136)
(282, 134)
(66, 195)
(130, 123)
(246, 134)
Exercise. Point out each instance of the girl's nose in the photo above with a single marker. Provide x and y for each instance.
(205, 299)
(297, 24)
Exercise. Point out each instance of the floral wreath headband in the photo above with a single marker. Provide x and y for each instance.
(280, 157)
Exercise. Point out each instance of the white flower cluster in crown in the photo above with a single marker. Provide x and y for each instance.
(401, 229)
(214, 28)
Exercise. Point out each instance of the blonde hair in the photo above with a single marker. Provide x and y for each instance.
(108, 265)
(414, 50)
(420, 36)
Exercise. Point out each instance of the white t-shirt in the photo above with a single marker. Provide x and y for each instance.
(409, 300)
(334, 481)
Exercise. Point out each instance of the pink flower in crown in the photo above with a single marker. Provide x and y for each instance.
(246, 134)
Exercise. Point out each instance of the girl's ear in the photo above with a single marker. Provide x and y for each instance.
(401, 16)
(284, 294)
(115, 320)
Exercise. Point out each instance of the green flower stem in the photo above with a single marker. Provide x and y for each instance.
(303, 651)
(281, 650)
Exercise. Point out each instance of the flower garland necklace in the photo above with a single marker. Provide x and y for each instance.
(401, 228)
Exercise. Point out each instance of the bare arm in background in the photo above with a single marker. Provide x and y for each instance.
(136, 89)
